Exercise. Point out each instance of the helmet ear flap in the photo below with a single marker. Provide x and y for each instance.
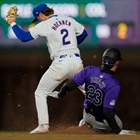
(108, 61)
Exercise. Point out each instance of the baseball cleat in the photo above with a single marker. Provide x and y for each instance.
(43, 128)
(81, 123)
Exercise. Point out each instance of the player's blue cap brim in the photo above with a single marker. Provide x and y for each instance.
(39, 8)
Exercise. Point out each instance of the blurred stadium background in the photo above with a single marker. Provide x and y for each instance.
(110, 23)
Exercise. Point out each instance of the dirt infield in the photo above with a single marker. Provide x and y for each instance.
(66, 133)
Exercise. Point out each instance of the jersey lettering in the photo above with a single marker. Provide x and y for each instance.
(65, 35)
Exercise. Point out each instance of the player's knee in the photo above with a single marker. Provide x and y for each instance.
(40, 93)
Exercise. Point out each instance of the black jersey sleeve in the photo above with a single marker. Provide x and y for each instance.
(67, 87)
(109, 115)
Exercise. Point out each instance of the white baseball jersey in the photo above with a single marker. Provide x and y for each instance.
(60, 34)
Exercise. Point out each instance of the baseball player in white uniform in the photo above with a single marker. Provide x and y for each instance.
(62, 35)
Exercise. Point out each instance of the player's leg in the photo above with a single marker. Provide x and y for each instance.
(77, 67)
(119, 122)
(95, 124)
(49, 81)
(59, 71)
(80, 67)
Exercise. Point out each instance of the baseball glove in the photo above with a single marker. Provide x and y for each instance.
(11, 14)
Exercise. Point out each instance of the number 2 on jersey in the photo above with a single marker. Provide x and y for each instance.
(65, 33)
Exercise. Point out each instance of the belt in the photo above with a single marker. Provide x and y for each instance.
(96, 118)
(65, 55)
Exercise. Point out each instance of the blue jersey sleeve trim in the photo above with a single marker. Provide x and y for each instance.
(81, 37)
(23, 36)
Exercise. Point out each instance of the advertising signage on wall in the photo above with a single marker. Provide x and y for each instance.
(107, 22)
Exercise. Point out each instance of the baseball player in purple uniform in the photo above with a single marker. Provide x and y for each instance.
(102, 90)
(62, 35)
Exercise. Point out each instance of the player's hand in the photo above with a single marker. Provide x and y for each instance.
(11, 15)
(127, 132)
